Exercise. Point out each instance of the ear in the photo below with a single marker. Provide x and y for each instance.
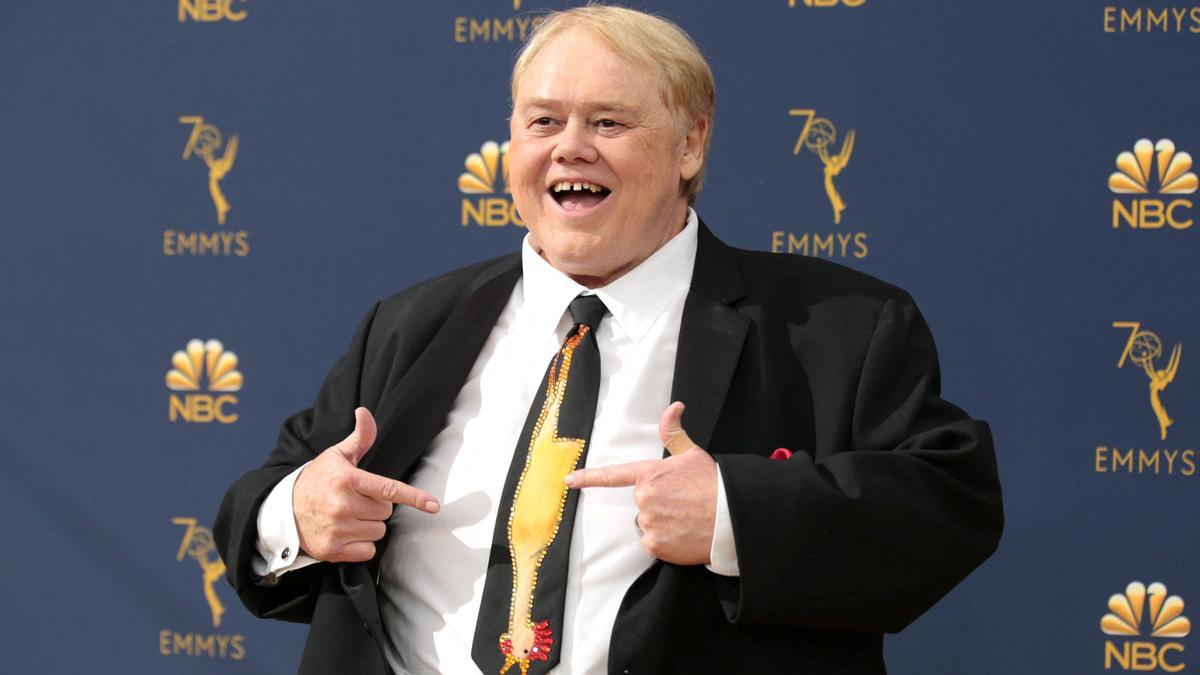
(693, 150)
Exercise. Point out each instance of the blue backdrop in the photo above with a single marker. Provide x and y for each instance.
(258, 174)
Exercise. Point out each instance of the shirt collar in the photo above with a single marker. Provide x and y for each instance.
(636, 299)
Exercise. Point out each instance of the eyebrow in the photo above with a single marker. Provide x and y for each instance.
(551, 104)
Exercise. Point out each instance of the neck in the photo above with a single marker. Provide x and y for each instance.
(600, 281)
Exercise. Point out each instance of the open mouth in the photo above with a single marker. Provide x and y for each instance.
(578, 196)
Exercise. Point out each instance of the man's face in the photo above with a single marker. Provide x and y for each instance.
(584, 116)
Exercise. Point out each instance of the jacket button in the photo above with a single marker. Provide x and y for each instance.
(287, 552)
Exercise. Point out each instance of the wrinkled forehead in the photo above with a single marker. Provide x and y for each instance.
(642, 72)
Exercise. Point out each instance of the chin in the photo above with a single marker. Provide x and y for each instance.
(573, 248)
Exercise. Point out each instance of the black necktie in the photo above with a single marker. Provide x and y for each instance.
(521, 612)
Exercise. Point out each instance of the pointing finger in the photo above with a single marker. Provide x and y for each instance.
(617, 475)
(354, 446)
(670, 430)
(385, 489)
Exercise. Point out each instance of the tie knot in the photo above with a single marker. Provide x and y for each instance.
(587, 310)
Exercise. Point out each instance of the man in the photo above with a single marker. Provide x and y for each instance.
(822, 493)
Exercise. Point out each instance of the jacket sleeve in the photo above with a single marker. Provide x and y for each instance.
(869, 536)
(303, 436)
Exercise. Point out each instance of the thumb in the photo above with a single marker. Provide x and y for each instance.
(354, 446)
(670, 430)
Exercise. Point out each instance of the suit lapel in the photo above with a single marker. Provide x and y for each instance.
(710, 338)
(710, 342)
(414, 410)
(711, 335)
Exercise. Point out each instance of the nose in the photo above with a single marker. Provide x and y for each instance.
(574, 143)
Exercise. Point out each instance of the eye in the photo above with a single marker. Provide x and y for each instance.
(607, 123)
(542, 122)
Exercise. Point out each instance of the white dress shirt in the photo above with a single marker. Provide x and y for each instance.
(432, 573)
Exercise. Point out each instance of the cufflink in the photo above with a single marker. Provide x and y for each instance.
(781, 453)
(286, 553)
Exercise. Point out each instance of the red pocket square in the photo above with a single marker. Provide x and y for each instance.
(781, 453)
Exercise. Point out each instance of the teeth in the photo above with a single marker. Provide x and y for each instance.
(566, 186)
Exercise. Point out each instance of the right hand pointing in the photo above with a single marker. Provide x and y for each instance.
(341, 510)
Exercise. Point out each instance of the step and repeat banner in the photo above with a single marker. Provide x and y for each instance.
(200, 199)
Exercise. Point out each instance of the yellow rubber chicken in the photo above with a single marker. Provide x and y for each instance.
(536, 514)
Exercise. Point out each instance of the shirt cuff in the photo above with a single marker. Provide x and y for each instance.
(278, 542)
(723, 556)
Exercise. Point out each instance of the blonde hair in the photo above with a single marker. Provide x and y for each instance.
(645, 40)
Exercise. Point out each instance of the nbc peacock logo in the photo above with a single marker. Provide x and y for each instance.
(1153, 168)
(1145, 611)
(480, 185)
(204, 366)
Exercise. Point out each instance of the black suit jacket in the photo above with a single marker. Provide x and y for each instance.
(889, 499)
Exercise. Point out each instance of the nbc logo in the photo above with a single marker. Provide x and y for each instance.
(206, 362)
(208, 11)
(1133, 177)
(1145, 609)
(483, 170)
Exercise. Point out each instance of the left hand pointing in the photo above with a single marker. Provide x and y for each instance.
(676, 496)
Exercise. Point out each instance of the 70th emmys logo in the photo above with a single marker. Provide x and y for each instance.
(1133, 177)
(483, 170)
(817, 136)
(204, 142)
(496, 29)
(1160, 614)
(208, 11)
(206, 362)
(198, 545)
(1142, 349)
(1161, 20)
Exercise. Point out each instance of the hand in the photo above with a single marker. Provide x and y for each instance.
(341, 510)
(676, 497)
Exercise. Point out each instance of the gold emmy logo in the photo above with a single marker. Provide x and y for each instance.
(1163, 618)
(829, 3)
(1133, 176)
(208, 11)
(1151, 20)
(206, 362)
(198, 545)
(817, 136)
(204, 142)
(495, 29)
(483, 170)
(1142, 348)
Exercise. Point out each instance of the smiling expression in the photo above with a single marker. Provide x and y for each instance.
(597, 160)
